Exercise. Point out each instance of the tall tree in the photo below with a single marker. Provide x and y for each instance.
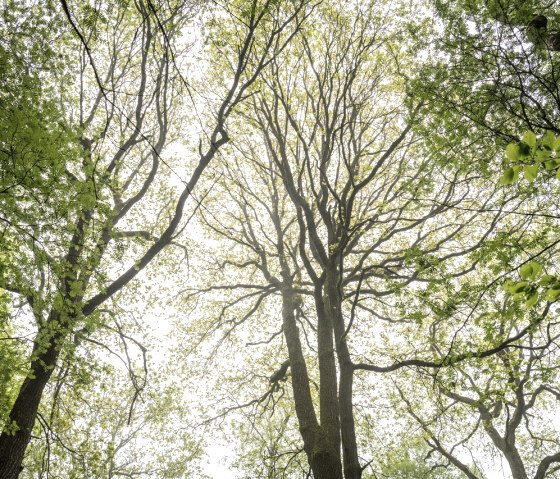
(74, 214)
(344, 211)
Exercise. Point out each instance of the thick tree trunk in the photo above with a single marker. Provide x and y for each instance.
(323, 454)
(305, 412)
(26, 405)
(23, 414)
(515, 462)
(325, 466)
(505, 444)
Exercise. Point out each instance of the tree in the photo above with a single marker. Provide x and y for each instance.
(489, 74)
(107, 217)
(349, 173)
(269, 445)
(345, 213)
(91, 429)
(499, 78)
(507, 398)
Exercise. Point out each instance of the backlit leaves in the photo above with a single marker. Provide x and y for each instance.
(530, 156)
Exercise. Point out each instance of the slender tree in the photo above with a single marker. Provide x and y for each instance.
(503, 404)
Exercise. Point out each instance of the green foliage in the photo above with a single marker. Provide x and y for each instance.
(408, 461)
(64, 174)
(116, 436)
(11, 369)
(532, 155)
(530, 271)
(417, 238)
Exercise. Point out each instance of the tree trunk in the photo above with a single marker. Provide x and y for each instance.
(323, 454)
(326, 466)
(328, 385)
(515, 462)
(352, 467)
(506, 445)
(305, 412)
(26, 405)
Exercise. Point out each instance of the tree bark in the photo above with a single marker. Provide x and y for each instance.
(323, 453)
(328, 386)
(515, 462)
(24, 410)
(504, 444)
(352, 467)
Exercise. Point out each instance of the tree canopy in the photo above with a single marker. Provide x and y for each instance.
(321, 232)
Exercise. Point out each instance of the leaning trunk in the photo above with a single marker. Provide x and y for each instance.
(16, 436)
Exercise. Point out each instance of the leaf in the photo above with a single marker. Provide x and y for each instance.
(530, 139)
(512, 152)
(543, 155)
(519, 287)
(551, 164)
(558, 174)
(530, 172)
(530, 270)
(532, 300)
(507, 285)
(507, 176)
(524, 149)
(510, 175)
(58, 302)
(557, 144)
(548, 140)
(547, 279)
(515, 152)
(553, 293)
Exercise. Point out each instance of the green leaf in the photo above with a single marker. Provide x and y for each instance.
(532, 300)
(519, 287)
(515, 152)
(507, 177)
(510, 175)
(530, 270)
(58, 302)
(530, 139)
(512, 152)
(543, 155)
(553, 293)
(507, 285)
(524, 149)
(551, 164)
(558, 174)
(548, 140)
(547, 279)
(557, 144)
(530, 172)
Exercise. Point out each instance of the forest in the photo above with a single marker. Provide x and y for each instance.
(279, 239)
